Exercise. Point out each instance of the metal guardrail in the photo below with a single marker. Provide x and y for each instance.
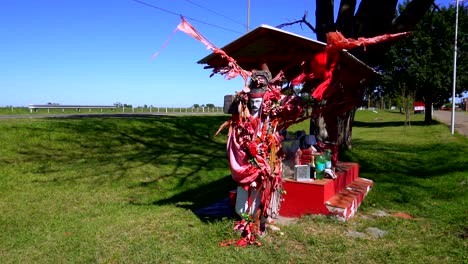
(151, 109)
(34, 107)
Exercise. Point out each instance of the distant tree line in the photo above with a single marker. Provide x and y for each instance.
(421, 67)
(207, 105)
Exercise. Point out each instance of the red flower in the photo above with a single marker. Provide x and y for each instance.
(253, 149)
(248, 128)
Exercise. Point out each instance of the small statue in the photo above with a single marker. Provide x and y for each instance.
(249, 198)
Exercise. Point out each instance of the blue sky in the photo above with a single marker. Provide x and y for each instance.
(96, 52)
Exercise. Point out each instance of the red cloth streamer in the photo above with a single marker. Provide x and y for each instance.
(336, 41)
(165, 44)
(324, 63)
(243, 172)
(234, 69)
(186, 27)
(248, 235)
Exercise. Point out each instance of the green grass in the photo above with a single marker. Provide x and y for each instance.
(123, 190)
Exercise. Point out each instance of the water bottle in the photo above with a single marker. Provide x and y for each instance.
(320, 164)
(328, 159)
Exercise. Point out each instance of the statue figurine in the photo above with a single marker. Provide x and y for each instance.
(249, 198)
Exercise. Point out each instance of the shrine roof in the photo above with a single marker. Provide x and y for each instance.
(281, 50)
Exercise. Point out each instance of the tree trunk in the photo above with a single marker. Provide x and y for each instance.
(412, 14)
(374, 17)
(428, 111)
(345, 130)
(334, 130)
(324, 19)
(345, 20)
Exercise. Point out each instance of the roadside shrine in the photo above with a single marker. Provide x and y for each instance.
(289, 79)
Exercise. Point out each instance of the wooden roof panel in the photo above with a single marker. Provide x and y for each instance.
(280, 49)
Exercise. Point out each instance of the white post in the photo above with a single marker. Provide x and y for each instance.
(248, 15)
(454, 71)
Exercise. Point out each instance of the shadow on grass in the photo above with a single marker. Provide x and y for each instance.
(377, 124)
(209, 202)
(159, 159)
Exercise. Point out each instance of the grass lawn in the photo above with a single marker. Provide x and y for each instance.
(123, 190)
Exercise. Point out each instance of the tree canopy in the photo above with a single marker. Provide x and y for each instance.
(368, 19)
(371, 18)
(422, 66)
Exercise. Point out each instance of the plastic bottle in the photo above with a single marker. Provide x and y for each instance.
(320, 164)
(328, 159)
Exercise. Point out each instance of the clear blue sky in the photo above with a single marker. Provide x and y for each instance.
(94, 52)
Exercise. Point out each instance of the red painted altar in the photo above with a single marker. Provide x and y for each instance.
(338, 197)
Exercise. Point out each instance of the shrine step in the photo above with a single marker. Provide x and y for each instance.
(344, 204)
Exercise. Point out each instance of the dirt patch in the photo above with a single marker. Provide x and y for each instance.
(403, 215)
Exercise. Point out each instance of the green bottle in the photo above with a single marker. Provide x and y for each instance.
(320, 164)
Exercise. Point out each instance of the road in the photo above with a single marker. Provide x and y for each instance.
(461, 120)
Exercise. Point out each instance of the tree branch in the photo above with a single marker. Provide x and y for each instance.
(302, 20)
(412, 14)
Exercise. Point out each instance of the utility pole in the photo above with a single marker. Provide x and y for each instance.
(248, 15)
(454, 70)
